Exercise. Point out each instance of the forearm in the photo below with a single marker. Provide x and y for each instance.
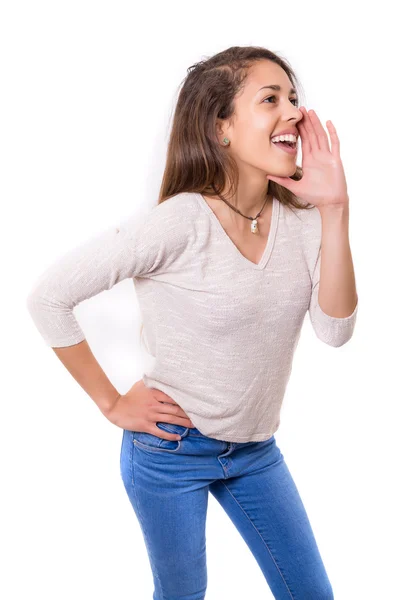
(84, 368)
(337, 287)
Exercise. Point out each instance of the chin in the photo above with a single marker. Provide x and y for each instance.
(283, 171)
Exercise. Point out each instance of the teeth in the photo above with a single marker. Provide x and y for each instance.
(285, 138)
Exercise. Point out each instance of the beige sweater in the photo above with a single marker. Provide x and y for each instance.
(219, 331)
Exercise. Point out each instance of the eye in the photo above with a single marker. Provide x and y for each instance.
(295, 100)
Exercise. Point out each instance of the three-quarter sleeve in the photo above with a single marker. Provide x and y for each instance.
(139, 245)
(93, 266)
(334, 331)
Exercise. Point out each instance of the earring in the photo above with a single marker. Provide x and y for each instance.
(226, 141)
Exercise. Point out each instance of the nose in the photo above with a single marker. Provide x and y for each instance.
(297, 116)
(294, 112)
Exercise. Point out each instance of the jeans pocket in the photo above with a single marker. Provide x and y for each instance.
(153, 443)
(172, 428)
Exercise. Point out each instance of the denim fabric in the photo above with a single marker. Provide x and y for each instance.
(167, 483)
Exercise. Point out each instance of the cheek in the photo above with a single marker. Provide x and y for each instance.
(260, 125)
(258, 146)
(259, 130)
(254, 136)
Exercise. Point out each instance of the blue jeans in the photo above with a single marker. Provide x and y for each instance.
(167, 483)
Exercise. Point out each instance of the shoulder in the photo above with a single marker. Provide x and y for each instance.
(304, 223)
(179, 205)
(172, 212)
(307, 225)
(306, 215)
(171, 216)
(310, 221)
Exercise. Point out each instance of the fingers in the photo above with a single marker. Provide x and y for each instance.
(162, 396)
(173, 419)
(305, 141)
(170, 413)
(334, 139)
(165, 435)
(309, 130)
(170, 409)
(320, 132)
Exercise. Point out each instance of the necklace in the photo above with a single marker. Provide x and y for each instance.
(254, 224)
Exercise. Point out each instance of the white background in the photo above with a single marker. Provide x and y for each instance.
(87, 95)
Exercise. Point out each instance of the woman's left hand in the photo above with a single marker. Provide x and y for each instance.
(323, 183)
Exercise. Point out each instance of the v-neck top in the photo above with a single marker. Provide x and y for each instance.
(219, 331)
(231, 247)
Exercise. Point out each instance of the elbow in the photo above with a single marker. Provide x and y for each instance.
(334, 338)
(35, 301)
(35, 295)
(31, 301)
(334, 331)
(337, 342)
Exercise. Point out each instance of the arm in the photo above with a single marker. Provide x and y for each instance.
(95, 265)
(84, 368)
(334, 300)
(139, 246)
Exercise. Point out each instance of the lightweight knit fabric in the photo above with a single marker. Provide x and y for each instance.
(219, 331)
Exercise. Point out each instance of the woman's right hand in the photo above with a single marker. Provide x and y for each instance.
(142, 407)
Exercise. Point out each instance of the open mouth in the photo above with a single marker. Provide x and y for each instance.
(288, 147)
(286, 144)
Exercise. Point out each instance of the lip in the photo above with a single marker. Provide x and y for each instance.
(291, 130)
(288, 150)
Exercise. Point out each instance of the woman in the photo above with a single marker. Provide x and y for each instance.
(241, 244)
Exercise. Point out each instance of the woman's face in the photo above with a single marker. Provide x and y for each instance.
(259, 115)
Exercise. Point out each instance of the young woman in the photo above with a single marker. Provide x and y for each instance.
(240, 246)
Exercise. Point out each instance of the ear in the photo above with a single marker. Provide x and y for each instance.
(221, 129)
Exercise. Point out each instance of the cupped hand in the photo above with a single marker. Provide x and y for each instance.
(323, 183)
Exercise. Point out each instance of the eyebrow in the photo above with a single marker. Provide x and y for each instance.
(277, 88)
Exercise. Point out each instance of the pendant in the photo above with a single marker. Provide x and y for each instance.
(254, 226)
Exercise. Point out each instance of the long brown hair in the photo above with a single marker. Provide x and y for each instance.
(195, 160)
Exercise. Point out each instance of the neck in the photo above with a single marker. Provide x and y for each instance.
(250, 196)
(249, 207)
